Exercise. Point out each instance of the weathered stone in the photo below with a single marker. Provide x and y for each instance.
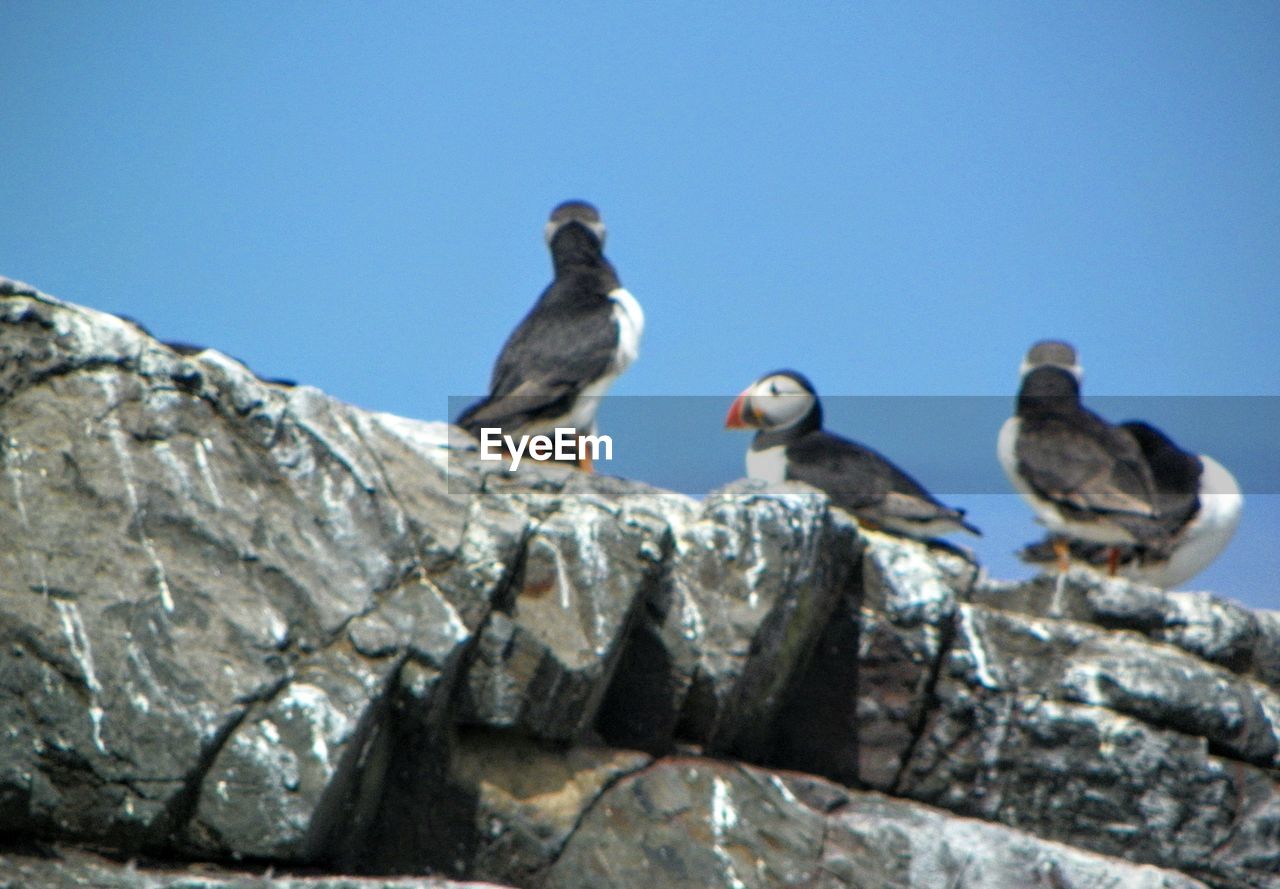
(879, 841)
(721, 642)
(64, 868)
(1266, 655)
(1214, 629)
(263, 794)
(187, 547)
(530, 798)
(906, 625)
(245, 621)
(755, 626)
(695, 823)
(1159, 684)
(1058, 596)
(1217, 630)
(856, 710)
(545, 657)
(1018, 735)
(690, 823)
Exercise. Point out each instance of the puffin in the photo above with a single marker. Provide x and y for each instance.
(580, 335)
(1199, 502)
(1085, 479)
(791, 445)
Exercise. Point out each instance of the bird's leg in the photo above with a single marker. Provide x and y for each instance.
(584, 455)
(1063, 551)
(1113, 561)
(1059, 590)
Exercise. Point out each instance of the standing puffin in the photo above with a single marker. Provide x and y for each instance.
(582, 333)
(1199, 502)
(1085, 479)
(792, 445)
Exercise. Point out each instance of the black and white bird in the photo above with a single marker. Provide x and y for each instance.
(791, 445)
(1199, 502)
(1085, 479)
(582, 333)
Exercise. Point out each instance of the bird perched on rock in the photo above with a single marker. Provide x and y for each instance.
(1199, 503)
(581, 334)
(1085, 479)
(791, 445)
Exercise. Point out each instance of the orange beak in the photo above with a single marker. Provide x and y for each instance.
(735, 419)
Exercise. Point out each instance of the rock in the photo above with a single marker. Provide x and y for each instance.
(856, 710)
(241, 621)
(64, 868)
(695, 823)
(906, 624)
(530, 797)
(1099, 739)
(194, 560)
(545, 656)
(1208, 627)
(757, 591)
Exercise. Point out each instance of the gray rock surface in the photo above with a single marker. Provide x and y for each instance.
(243, 622)
(76, 869)
(755, 829)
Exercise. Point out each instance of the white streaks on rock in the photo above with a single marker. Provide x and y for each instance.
(724, 817)
(326, 723)
(78, 642)
(978, 655)
(115, 432)
(14, 473)
(201, 448)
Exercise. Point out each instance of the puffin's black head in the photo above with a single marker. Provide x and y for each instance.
(780, 400)
(1051, 375)
(1053, 353)
(575, 214)
(1048, 389)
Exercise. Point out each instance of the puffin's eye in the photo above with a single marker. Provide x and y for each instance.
(773, 388)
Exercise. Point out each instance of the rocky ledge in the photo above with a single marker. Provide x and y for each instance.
(250, 635)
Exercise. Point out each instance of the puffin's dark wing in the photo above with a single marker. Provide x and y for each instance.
(846, 471)
(531, 400)
(1084, 464)
(912, 508)
(855, 477)
(862, 481)
(920, 509)
(573, 345)
(1175, 474)
(559, 348)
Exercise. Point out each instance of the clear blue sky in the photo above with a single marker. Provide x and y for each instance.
(896, 199)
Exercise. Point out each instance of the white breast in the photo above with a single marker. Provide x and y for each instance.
(1006, 453)
(1205, 536)
(768, 465)
(630, 320)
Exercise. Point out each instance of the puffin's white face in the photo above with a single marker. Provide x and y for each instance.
(774, 402)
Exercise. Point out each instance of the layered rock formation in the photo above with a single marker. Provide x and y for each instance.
(248, 629)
